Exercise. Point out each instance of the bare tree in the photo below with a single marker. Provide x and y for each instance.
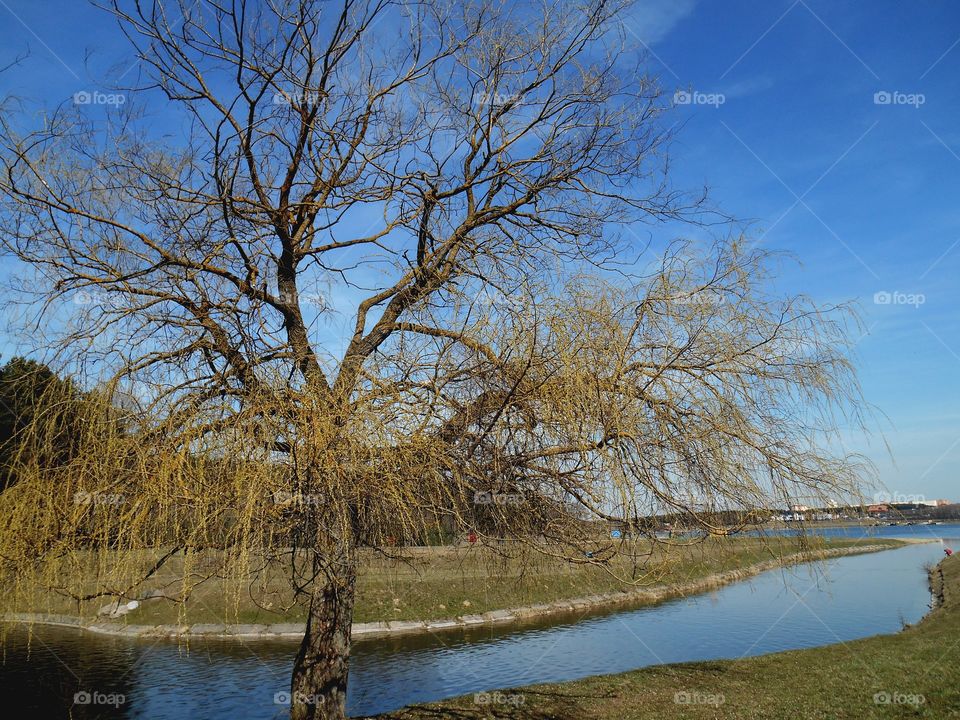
(372, 254)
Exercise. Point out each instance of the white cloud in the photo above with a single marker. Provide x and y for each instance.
(652, 20)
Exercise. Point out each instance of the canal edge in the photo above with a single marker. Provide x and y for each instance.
(362, 631)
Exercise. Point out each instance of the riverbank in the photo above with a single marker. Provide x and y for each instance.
(914, 673)
(410, 584)
(701, 582)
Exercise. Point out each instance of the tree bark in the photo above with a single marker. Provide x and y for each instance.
(319, 687)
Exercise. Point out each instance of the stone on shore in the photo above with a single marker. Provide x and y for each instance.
(113, 609)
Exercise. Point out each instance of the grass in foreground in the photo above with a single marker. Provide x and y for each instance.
(913, 674)
(443, 582)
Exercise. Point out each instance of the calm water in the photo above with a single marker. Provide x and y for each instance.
(775, 611)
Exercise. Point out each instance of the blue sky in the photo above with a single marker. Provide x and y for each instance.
(862, 188)
(863, 193)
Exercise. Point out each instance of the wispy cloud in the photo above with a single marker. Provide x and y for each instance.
(744, 88)
(653, 20)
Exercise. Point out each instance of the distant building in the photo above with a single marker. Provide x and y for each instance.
(915, 504)
(876, 509)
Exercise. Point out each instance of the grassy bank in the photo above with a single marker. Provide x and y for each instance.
(439, 583)
(912, 674)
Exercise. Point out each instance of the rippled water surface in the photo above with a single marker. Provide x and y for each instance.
(842, 599)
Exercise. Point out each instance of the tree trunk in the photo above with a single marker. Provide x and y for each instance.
(319, 685)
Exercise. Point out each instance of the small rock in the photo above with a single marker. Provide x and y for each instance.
(110, 608)
(466, 603)
(116, 609)
(442, 607)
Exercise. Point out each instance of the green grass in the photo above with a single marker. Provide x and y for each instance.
(436, 583)
(837, 681)
(434, 588)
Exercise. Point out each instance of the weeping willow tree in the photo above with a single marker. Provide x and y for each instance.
(352, 286)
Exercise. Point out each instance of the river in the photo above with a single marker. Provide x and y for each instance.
(800, 607)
